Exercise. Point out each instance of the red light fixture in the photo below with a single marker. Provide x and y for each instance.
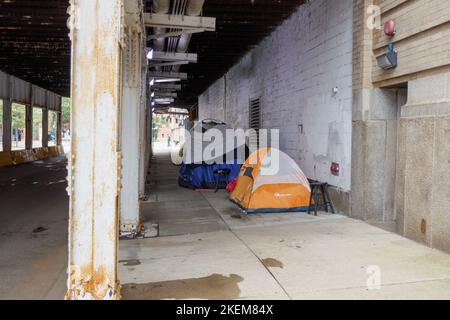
(335, 169)
(389, 28)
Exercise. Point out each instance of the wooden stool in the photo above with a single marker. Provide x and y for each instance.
(326, 204)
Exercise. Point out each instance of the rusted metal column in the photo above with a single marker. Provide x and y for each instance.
(135, 69)
(7, 119)
(143, 164)
(144, 124)
(129, 196)
(146, 106)
(45, 127)
(28, 127)
(94, 169)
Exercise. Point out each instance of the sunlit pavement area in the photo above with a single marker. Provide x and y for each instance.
(207, 249)
(33, 232)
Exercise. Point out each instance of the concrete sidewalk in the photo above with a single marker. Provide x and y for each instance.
(34, 230)
(208, 250)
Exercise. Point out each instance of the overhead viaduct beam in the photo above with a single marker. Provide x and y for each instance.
(165, 95)
(166, 64)
(162, 59)
(166, 86)
(179, 22)
(174, 56)
(168, 75)
(175, 33)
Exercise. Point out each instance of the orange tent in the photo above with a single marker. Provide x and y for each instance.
(270, 181)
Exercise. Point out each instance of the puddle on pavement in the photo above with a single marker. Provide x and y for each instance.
(214, 287)
(230, 211)
(273, 263)
(39, 230)
(234, 213)
(134, 262)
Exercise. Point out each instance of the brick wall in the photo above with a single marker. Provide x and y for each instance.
(294, 71)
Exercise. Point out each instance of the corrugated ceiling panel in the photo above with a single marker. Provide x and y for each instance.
(39, 97)
(53, 101)
(20, 91)
(4, 85)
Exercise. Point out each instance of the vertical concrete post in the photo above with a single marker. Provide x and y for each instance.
(7, 119)
(45, 127)
(94, 168)
(423, 178)
(29, 127)
(59, 125)
(374, 129)
(143, 163)
(362, 100)
(129, 196)
(148, 125)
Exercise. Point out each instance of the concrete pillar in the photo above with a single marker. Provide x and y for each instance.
(148, 127)
(423, 178)
(130, 130)
(143, 143)
(28, 127)
(59, 129)
(94, 167)
(144, 123)
(362, 99)
(374, 157)
(7, 125)
(45, 127)
(374, 130)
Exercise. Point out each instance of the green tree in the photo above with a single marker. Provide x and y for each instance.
(158, 123)
(18, 115)
(37, 123)
(65, 111)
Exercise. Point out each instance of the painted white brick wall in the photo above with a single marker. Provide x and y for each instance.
(293, 71)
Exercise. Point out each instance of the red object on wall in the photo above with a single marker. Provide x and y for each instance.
(389, 28)
(334, 169)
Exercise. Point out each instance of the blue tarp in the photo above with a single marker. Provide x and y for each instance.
(201, 176)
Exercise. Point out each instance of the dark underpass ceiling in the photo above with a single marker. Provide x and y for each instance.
(34, 43)
(240, 26)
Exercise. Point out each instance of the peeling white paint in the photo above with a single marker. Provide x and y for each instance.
(94, 166)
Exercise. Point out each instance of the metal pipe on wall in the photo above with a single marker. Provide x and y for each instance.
(175, 44)
(161, 7)
(194, 8)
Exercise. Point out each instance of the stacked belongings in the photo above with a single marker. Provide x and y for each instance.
(201, 170)
(281, 188)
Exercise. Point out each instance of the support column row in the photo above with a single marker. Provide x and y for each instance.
(7, 126)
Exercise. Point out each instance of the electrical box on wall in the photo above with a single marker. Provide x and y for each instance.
(388, 60)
